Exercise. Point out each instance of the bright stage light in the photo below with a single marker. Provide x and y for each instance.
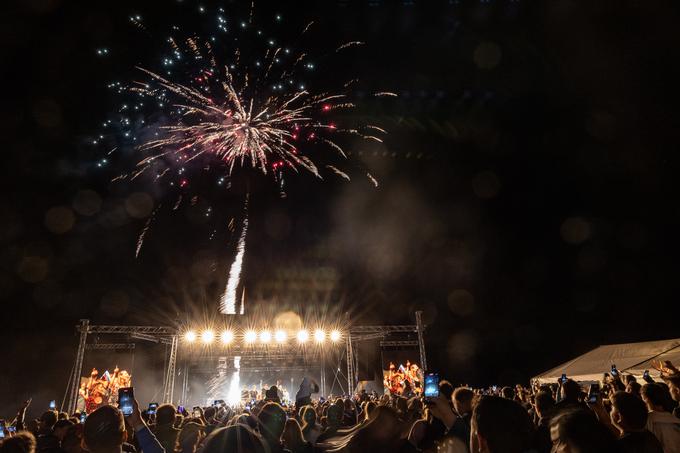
(227, 337)
(265, 336)
(280, 336)
(319, 336)
(190, 336)
(302, 336)
(207, 336)
(335, 336)
(250, 336)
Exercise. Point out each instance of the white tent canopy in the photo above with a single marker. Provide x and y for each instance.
(629, 358)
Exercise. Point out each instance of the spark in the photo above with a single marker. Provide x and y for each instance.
(338, 172)
(142, 235)
(350, 44)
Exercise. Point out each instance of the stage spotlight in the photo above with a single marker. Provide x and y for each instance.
(335, 336)
(250, 336)
(319, 336)
(265, 336)
(227, 337)
(280, 336)
(302, 336)
(190, 336)
(207, 336)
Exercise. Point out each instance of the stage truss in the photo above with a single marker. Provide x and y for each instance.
(255, 359)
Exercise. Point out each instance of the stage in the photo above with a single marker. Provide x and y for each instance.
(201, 363)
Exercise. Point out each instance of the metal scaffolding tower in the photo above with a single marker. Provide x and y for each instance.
(155, 334)
(365, 333)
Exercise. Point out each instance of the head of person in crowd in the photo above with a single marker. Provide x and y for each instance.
(334, 416)
(47, 421)
(308, 417)
(633, 387)
(657, 397)
(272, 394)
(370, 409)
(462, 400)
(21, 442)
(104, 430)
(165, 415)
(292, 436)
(578, 430)
(508, 393)
(544, 404)
(209, 414)
(571, 391)
(500, 425)
(62, 416)
(272, 420)
(628, 412)
(674, 386)
(446, 389)
(189, 437)
(72, 442)
(237, 438)
(379, 434)
(59, 429)
(402, 405)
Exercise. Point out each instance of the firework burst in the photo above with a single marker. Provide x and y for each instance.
(209, 107)
(213, 107)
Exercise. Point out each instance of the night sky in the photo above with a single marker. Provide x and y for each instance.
(526, 199)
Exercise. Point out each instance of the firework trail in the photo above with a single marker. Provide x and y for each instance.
(228, 298)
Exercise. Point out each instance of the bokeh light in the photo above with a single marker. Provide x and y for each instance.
(250, 336)
(227, 337)
(280, 336)
(207, 336)
(302, 336)
(319, 336)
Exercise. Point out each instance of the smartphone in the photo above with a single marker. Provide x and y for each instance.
(180, 409)
(563, 378)
(126, 398)
(12, 429)
(83, 416)
(2, 432)
(614, 371)
(152, 408)
(593, 393)
(431, 385)
(53, 404)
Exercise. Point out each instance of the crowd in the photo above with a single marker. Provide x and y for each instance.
(623, 415)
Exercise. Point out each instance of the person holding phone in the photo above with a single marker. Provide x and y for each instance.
(105, 431)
